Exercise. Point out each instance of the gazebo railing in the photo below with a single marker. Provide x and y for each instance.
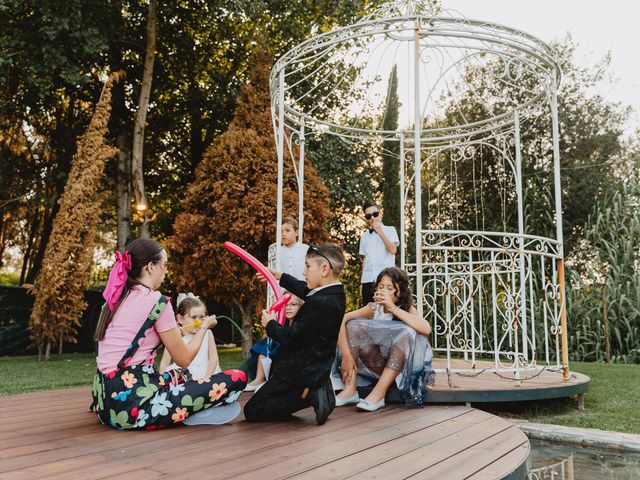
(492, 296)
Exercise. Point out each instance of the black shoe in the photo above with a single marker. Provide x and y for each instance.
(331, 395)
(322, 403)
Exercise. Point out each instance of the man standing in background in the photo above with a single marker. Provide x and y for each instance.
(378, 246)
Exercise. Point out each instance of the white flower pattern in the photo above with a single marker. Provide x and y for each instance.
(160, 405)
(175, 389)
(142, 419)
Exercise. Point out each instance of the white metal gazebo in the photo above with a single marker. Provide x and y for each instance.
(494, 294)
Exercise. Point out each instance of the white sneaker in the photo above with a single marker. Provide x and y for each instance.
(370, 407)
(217, 415)
(341, 402)
(253, 388)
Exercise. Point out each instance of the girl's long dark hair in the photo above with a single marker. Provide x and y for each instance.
(142, 251)
(400, 280)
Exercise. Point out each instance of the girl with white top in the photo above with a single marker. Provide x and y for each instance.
(190, 315)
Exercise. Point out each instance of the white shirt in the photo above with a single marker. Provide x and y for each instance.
(292, 259)
(379, 313)
(316, 290)
(376, 256)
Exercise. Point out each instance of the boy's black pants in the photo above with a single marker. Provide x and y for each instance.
(367, 293)
(276, 400)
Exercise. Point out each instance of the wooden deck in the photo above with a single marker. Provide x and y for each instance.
(484, 386)
(52, 435)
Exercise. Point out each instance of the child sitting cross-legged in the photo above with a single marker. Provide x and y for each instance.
(382, 343)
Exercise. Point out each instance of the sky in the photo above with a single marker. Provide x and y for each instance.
(596, 26)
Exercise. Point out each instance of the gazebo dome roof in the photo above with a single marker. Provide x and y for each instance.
(336, 82)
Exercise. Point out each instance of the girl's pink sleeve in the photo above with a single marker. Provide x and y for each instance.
(167, 320)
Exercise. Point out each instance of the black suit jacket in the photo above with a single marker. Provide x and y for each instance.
(309, 344)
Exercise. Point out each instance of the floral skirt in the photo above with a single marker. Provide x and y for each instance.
(138, 397)
(376, 344)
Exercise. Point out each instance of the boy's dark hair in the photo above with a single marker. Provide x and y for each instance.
(330, 252)
(291, 221)
(369, 204)
(400, 280)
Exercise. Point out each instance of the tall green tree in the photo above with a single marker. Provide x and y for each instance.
(48, 81)
(203, 61)
(390, 181)
(476, 188)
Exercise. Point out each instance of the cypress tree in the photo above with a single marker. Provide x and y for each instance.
(66, 268)
(390, 183)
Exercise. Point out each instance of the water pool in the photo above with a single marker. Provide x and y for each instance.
(556, 461)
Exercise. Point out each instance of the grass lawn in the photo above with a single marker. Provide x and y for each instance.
(610, 403)
(25, 374)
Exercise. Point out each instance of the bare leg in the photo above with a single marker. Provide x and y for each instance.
(384, 382)
(259, 372)
(349, 382)
(349, 387)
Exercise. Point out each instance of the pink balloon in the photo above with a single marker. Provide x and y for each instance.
(281, 300)
(281, 303)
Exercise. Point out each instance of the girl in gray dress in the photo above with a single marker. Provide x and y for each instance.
(383, 342)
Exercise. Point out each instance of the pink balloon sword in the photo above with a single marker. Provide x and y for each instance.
(280, 304)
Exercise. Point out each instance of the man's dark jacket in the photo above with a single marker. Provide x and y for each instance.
(309, 344)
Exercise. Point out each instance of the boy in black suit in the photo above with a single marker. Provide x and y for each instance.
(300, 373)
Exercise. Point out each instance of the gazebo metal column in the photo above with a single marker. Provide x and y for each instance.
(280, 147)
(558, 198)
(417, 134)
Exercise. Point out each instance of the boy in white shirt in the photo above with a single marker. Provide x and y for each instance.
(378, 246)
(292, 252)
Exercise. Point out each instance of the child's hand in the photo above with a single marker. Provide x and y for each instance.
(348, 368)
(276, 274)
(267, 316)
(210, 321)
(383, 297)
(377, 225)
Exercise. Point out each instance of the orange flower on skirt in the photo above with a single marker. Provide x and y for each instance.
(180, 415)
(217, 390)
(128, 379)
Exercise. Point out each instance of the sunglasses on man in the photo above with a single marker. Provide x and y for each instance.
(316, 251)
(371, 215)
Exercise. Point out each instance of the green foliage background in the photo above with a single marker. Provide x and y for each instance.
(54, 56)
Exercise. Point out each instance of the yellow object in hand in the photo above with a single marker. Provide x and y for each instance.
(197, 323)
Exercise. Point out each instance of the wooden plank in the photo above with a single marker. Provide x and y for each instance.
(259, 442)
(498, 468)
(111, 470)
(114, 444)
(422, 457)
(283, 462)
(353, 461)
(21, 438)
(55, 468)
(480, 455)
(103, 440)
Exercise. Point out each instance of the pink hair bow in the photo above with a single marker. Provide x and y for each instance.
(117, 279)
